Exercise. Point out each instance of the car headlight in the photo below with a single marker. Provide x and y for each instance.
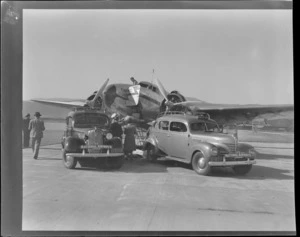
(214, 151)
(252, 152)
(109, 136)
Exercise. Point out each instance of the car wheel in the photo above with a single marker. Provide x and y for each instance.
(200, 164)
(242, 169)
(151, 156)
(69, 161)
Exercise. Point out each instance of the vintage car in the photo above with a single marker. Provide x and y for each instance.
(197, 140)
(88, 140)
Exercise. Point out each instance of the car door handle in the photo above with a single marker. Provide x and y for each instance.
(168, 135)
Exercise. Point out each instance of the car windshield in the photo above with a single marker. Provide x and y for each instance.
(89, 120)
(204, 127)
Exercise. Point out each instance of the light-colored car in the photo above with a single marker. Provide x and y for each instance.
(199, 141)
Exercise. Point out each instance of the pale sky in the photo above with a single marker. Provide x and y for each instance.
(220, 56)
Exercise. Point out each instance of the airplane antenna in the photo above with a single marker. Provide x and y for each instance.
(152, 76)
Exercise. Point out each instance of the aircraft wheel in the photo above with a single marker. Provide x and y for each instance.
(242, 169)
(150, 155)
(69, 161)
(200, 164)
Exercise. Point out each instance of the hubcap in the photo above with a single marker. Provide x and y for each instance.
(201, 162)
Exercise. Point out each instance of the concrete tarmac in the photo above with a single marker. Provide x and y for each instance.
(161, 196)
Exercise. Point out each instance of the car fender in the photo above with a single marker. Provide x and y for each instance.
(72, 144)
(150, 141)
(203, 147)
(243, 147)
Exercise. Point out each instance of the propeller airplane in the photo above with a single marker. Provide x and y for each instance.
(143, 101)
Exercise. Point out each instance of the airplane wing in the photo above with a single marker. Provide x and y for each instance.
(207, 107)
(63, 104)
(240, 113)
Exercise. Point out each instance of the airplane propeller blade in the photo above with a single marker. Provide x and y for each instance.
(161, 89)
(100, 91)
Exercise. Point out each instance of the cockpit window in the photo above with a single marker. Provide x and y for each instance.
(89, 120)
(148, 86)
(143, 85)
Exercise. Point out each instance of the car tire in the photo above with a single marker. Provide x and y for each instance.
(150, 155)
(200, 164)
(69, 161)
(242, 169)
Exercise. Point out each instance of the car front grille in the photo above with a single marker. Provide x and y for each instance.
(236, 159)
(232, 147)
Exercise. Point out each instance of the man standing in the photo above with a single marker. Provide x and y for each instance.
(129, 142)
(26, 132)
(36, 126)
(116, 128)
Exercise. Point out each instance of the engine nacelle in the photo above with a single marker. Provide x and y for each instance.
(96, 104)
(173, 97)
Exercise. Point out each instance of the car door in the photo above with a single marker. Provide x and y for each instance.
(178, 140)
(162, 134)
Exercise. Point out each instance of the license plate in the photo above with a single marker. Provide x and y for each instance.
(239, 155)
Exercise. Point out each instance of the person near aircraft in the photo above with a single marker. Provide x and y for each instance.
(129, 141)
(26, 132)
(36, 126)
(116, 128)
(133, 81)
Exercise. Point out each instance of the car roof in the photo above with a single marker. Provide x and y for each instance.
(86, 111)
(184, 118)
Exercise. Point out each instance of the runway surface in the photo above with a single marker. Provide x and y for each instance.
(161, 196)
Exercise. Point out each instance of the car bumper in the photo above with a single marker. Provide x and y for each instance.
(94, 155)
(231, 163)
(234, 159)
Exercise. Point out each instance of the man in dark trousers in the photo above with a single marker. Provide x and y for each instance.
(129, 142)
(36, 126)
(116, 128)
(26, 132)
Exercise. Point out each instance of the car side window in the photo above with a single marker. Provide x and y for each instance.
(200, 127)
(163, 125)
(178, 127)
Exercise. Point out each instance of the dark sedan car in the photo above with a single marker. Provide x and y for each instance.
(89, 141)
